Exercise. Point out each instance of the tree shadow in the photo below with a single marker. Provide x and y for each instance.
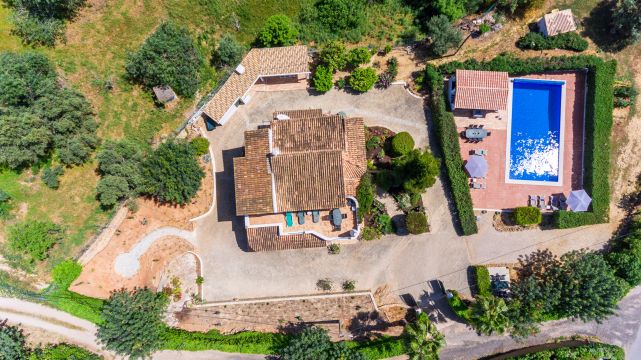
(598, 27)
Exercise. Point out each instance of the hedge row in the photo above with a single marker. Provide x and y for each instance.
(527, 215)
(567, 41)
(592, 351)
(483, 281)
(598, 121)
(448, 137)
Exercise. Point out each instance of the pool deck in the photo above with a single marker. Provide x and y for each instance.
(500, 195)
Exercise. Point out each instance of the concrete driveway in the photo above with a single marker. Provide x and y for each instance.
(404, 263)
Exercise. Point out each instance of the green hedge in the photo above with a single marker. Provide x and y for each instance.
(592, 351)
(527, 215)
(567, 41)
(483, 281)
(448, 138)
(248, 342)
(598, 121)
(383, 347)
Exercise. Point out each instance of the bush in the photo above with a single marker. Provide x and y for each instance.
(349, 285)
(444, 36)
(365, 195)
(392, 67)
(447, 134)
(133, 322)
(120, 165)
(172, 173)
(278, 30)
(359, 56)
(340, 83)
(460, 307)
(402, 143)
(624, 96)
(314, 343)
(598, 121)
(527, 215)
(35, 31)
(13, 343)
(230, 51)
(587, 351)
(363, 79)
(567, 41)
(65, 273)
(240, 342)
(334, 249)
(50, 176)
(167, 57)
(334, 19)
(453, 9)
(111, 189)
(483, 281)
(484, 28)
(200, 145)
(416, 222)
(32, 240)
(5, 205)
(334, 55)
(322, 79)
(64, 352)
(370, 233)
(416, 171)
(383, 223)
(324, 284)
(373, 143)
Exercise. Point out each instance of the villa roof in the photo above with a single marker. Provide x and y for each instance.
(558, 22)
(266, 238)
(300, 164)
(482, 90)
(258, 62)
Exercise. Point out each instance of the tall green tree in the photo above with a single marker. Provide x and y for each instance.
(24, 138)
(334, 19)
(120, 167)
(334, 55)
(627, 20)
(230, 51)
(417, 170)
(172, 173)
(278, 30)
(168, 57)
(322, 79)
(49, 9)
(444, 36)
(423, 341)
(314, 343)
(25, 77)
(12, 343)
(490, 315)
(133, 323)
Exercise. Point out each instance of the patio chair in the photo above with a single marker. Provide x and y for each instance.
(562, 204)
(477, 185)
(541, 202)
(301, 217)
(483, 186)
(315, 216)
(289, 219)
(532, 200)
(554, 202)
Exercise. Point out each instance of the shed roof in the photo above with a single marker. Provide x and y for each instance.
(482, 90)
(258, 62)
(164, 93)
(559, 22)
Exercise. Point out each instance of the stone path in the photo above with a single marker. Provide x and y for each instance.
(127, 264)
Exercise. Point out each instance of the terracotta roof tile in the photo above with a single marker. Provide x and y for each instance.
(311, 134)
(559, 22)
(252, 180)
(258, 62)
(267, 239)
(300, 114)
(483, 90)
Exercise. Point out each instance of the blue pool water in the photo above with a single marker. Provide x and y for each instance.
(535, 130)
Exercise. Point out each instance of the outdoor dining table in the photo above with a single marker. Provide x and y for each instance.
(475, 133)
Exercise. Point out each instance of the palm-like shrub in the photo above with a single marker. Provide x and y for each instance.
(490, 315)
(423, 340)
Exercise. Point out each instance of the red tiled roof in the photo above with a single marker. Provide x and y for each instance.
(482, 90)
(559, 22)
(267, 239)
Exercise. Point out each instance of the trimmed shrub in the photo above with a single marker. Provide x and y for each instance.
(447, 134)
(416, 222)
(402, 143)
(365, 195)
(200, 145)
(324, 284)
(527, 215)
(322, 79)
(483, 281)
(363, 79)
(598, 120)
(349, 285)
(567, 41)
(278, 30)
(359, 56)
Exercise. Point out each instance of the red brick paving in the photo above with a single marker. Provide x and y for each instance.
(500, 195)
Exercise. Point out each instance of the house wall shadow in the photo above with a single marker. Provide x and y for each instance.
(226, 197)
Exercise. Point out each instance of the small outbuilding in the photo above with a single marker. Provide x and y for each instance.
(557, 22)
(164, 93)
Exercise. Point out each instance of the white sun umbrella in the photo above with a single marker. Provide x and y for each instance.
(476, 166)
(579, 200)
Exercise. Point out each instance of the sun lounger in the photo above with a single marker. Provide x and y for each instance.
(477, 185)
(541, 202)
(315, 216)
(289, 219)
(532, 200)
(301, 217)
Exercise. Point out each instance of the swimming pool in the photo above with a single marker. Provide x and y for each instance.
(535, 132)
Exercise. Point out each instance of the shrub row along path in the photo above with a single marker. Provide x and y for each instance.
(82, 332)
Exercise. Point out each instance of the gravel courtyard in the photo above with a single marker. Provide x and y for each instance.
(404, 263)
